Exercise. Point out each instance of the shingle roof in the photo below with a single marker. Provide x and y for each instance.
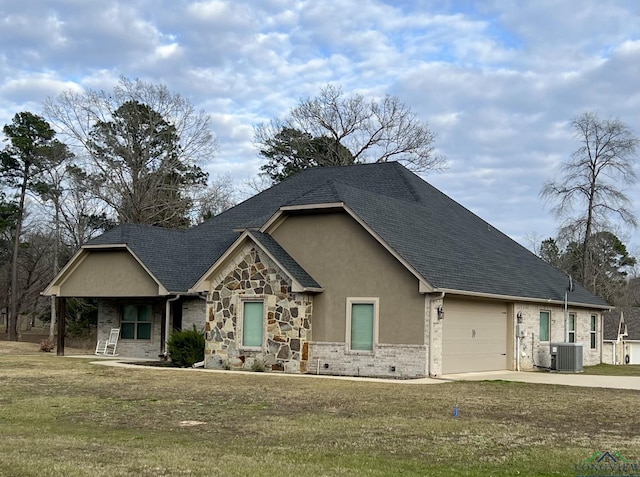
(289, 264)
(631, 319)
(445, 243)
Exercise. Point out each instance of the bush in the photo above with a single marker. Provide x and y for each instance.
(258, 366)
(47, 345)
(186, 347)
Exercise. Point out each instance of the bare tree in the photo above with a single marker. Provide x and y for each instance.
(369, 130)
(218, 197)
(145, 146)
(75, 215)
(592, 189)
(82, 216)
(75, 113)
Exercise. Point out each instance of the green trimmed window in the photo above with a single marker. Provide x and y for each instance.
(137, 321)
(545, 321)
(252, 324)
(592, 333)
(572, 328)
(362, 323)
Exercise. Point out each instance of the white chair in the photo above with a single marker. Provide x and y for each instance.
(108, 347)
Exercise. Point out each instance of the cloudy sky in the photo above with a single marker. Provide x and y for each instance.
(498, 81)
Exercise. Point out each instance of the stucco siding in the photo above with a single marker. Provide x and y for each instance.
(348, 262)
(108, 274)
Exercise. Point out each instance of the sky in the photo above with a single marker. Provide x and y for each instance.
(498, 81)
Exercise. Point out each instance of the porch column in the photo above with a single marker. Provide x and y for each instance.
(62, 322)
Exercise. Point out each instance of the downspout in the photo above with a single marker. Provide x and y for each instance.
(601, 336)
(167, 314)
(516, 332)
(517, 347)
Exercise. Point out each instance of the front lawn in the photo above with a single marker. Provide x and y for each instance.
(613, 370)
(65, 416)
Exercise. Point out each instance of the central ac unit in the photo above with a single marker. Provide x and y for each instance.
(566, 357)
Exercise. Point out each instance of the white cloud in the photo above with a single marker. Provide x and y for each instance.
(497, 81)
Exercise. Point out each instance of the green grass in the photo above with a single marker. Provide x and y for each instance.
(64, 416)
(611, 370)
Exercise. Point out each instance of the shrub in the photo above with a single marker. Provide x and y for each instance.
(47, 345)
(258, 366)
(186, 347)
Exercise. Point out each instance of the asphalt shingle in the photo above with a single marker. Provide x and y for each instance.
(445, 243)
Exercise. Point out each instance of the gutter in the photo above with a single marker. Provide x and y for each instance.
(524, 299)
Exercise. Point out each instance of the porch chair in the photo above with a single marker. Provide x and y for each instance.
(108, 347)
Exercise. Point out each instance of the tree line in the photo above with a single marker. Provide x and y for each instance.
(138, 154)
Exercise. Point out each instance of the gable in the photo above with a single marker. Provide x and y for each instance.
(299, 279)
(621, 320)
(349, 262)
(105, 273)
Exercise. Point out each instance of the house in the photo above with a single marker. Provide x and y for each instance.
(621, 336)
(351, 270)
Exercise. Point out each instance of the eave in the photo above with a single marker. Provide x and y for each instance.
(494, 296)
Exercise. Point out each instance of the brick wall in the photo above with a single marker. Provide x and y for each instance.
(109, 312)
(194, 312)
(534, 353)
(401, 361)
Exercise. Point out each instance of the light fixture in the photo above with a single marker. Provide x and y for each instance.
(440, 313)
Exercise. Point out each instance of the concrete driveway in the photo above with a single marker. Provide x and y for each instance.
(540, 377)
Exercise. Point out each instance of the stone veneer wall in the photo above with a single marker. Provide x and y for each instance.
(109, 312)
(288, 327)
(534, 353)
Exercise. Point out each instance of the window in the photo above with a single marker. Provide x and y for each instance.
(362, 324)
(252, 324)
(136, 322)
(572, 328)
(593, 331)
(544, 325)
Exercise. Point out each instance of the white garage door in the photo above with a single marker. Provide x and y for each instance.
(474, 336)
(634, 355)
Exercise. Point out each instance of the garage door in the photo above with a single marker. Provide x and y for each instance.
(474, 336)
(634, 355)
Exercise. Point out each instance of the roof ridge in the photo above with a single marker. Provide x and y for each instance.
(402, 171)
(330, 183)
